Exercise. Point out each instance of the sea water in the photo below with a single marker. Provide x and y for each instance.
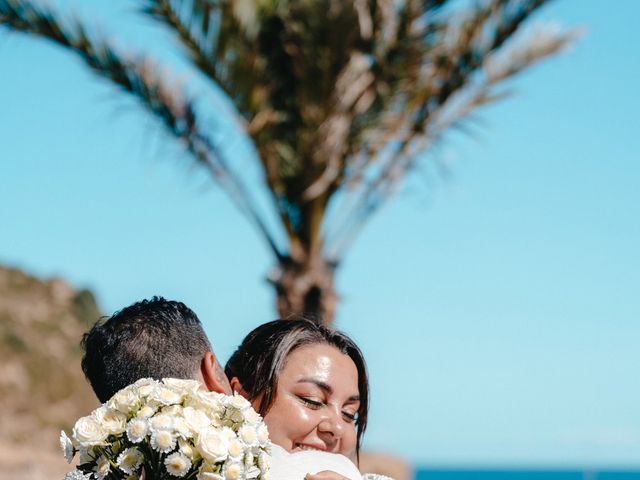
(436, 474)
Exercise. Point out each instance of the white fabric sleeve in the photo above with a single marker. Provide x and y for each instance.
(294, 466)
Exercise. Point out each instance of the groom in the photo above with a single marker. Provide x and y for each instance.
(154, 338)
(159, 339)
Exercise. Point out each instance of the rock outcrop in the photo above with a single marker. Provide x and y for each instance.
(42, 387)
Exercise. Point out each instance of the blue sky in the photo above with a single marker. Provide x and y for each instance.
(498, 310)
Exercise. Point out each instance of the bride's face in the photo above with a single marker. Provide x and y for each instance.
(316, 402)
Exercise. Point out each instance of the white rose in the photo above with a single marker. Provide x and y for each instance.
(211, 402)
(113, 421)
(124, 401)
(213, 445)
(195, 419)
(185, 386)
(88, 432)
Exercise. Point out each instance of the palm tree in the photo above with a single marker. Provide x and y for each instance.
(340, 98)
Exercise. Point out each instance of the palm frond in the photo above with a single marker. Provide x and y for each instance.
(460, 74)
(140, 78)
(195, 24)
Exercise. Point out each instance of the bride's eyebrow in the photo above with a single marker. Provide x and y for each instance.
(325, 387)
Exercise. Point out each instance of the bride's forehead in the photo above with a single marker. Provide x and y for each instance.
(323, 362)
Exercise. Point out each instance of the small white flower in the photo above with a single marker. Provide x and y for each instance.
(172, 410)
(233, 470)
(265, 476)
(129, 460)
(166, 396)
(77, 475)
(213, 445)
(248, 434)
(263, 435)
(239, 402)
(102, 468)
(236, 448)
(137, 429)
(249, 459)
(161, 422)
(181, 427)
(177, 464)
(146, 411)
(145, 386)
(163, 441)
(67, 447)
(250, 416)
(86, 455)
(264, 462)
(252, 472)
(87, 432)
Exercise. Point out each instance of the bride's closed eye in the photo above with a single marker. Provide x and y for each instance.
(310, 402)
(350, 417)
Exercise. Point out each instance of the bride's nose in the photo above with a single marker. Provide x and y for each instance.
(332, 424)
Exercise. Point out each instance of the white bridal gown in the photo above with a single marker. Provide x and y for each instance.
(294, 466)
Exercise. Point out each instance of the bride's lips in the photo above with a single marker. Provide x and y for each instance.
(315, 446)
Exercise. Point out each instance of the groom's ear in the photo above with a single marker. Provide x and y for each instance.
(213, 375)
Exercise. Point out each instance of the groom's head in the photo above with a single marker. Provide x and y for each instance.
(154, 338)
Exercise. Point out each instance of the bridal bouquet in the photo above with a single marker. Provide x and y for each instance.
(170, 429)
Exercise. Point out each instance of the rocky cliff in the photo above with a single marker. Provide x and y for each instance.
(42, 387)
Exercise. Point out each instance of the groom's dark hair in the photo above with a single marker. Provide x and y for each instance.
(154, 338)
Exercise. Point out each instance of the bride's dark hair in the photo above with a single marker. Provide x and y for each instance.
(262, 355)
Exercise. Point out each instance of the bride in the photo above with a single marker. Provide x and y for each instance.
(310, 384)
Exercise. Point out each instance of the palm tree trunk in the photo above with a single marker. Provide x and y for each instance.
(305, 288)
